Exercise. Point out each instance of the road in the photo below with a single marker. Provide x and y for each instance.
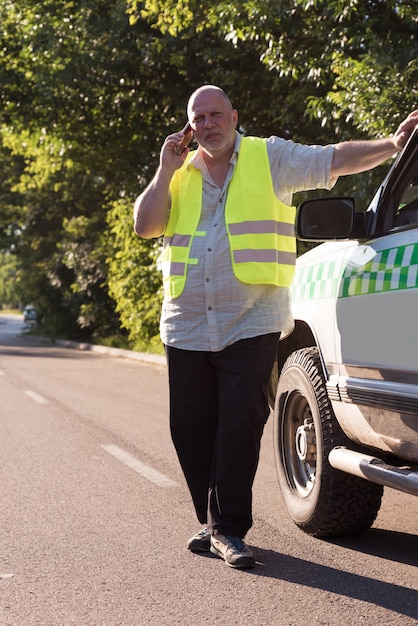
(95, 515)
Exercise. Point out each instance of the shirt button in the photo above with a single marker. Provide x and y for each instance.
(209, 249)
(207, 280)
(209, 308)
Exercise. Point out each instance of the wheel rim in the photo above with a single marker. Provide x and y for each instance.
(298, 445)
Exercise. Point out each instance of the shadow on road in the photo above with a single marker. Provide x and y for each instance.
(36, 351)
(402, 600)
(400, 547)
(387, 544)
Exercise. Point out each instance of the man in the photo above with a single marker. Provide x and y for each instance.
(229, 253)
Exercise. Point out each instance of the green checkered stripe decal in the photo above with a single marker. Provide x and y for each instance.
(317, 281)
(390, 270)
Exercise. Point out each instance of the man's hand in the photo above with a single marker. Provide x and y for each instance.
(175, 148)
(405, 130)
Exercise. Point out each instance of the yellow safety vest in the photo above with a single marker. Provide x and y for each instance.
(260, 227)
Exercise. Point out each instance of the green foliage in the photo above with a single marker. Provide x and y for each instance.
(133, 278)
(8, 271)
(70, 119)
(339, 70)
(90, 89)
(374, 92)
(315, 45)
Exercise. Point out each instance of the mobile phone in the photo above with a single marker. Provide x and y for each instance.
(187, 133)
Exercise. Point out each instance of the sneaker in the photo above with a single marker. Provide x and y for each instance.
(200, 542)
(233, 551)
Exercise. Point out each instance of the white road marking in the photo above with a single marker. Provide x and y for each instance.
(144, 470)
(35, 396)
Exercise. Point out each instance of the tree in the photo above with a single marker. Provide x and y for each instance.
(134, 281)
(8, 294)
(339, 70)
(85, 113)
(316, 44)
(89, 95)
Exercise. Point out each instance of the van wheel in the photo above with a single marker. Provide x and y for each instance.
(321, 500)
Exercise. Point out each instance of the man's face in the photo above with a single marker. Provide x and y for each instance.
(213, 121)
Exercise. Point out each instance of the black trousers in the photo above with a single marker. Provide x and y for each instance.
(218, 410)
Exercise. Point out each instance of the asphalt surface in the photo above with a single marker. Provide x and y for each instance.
(95, 514)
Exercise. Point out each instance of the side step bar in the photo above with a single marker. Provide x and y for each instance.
(375, 470)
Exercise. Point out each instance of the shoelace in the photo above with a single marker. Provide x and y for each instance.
(236, 543)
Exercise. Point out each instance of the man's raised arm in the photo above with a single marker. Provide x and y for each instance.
(152, 206)
(352, 157)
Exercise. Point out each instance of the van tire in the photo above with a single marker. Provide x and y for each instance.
(321, 500)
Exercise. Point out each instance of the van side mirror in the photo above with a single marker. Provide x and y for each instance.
(325, 219)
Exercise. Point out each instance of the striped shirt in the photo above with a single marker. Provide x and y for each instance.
(215, 308)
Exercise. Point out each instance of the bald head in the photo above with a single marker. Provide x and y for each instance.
(203, 91)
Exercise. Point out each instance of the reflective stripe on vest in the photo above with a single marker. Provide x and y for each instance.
(263, 250)
(262, 226)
